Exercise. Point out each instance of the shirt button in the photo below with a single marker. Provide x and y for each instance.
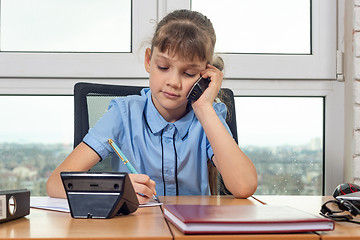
(168, 141)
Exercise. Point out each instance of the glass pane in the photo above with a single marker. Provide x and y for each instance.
(283, 136)
(66, 25)
(262, 26)
(36, 135)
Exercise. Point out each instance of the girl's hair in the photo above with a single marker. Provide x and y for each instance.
(188, 34)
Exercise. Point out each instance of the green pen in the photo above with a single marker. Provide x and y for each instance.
(126, 162)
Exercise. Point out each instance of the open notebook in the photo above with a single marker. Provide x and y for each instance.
(61, 204)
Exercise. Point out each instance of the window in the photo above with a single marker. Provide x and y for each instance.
(36, 135)
(55, 26)
(327, 101)
(261, 27)
(250, 72)
(316, 59)
(252, 29)
(320, 64)
(104, 56)
(283, 136)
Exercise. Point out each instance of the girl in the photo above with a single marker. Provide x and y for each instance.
(166, 138)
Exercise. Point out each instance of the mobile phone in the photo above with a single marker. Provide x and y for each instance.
(198, 88)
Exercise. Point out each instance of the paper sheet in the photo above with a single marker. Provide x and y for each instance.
(61, 204)
(48, 203)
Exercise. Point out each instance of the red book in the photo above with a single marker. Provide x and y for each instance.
(206, 219)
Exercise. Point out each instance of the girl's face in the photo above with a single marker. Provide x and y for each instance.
(171, 79)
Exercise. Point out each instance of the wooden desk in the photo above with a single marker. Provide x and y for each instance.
(312, 204)
(145, 223)
(149, 223)
(226, 200)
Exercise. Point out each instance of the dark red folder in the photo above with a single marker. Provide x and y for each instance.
(206, 219)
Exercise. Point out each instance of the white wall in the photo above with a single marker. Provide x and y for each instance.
(352, 91)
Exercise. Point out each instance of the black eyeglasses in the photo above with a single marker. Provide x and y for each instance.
(338, 211)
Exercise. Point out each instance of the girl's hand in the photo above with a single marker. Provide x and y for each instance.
(143, 186)
(207, 98)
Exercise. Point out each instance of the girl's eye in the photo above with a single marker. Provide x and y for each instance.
(163, 68)
(189, 74)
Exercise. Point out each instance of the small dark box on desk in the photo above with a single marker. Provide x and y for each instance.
(14, 204)
(99, 194)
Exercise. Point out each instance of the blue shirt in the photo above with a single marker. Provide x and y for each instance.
(174, 155)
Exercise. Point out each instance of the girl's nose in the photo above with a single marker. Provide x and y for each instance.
(174, 81)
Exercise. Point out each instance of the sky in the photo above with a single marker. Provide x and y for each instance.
(55, 25)
(261, 26)
(272, 121)
(38, 119)
(105, 26)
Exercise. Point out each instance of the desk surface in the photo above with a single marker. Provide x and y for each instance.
(312, 204)
(144, 223)
(149, 223)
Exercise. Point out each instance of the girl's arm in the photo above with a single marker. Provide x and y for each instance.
(82, 158)
(238, 171)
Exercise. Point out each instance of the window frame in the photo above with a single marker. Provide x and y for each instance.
(90, 65)
(56, 73)
(334, 116)
(320, 64)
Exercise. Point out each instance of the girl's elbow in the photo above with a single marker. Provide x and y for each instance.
(244, 193)
(245, 190)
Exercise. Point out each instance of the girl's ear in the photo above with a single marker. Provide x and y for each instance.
(147, 59)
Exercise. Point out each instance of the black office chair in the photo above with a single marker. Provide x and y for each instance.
(91, 101)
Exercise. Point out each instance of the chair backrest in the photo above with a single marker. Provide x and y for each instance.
(226, 95)
(91, 101)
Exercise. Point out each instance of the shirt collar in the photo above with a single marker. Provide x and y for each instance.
(157, 123)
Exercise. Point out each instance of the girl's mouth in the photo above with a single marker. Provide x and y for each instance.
(170, 95)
